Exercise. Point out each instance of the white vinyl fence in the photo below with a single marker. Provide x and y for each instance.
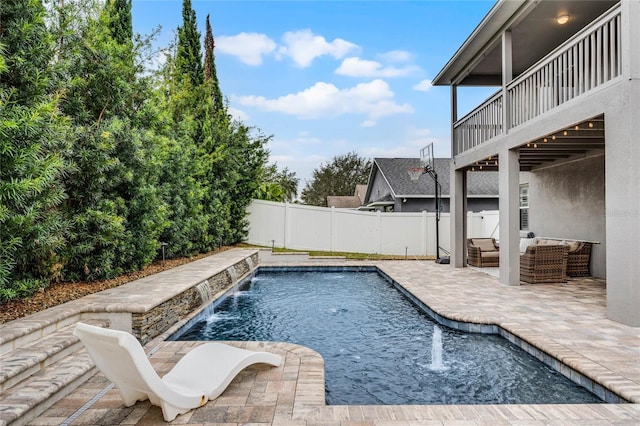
(300, 227)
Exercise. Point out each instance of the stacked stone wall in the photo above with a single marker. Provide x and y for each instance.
(147, 325)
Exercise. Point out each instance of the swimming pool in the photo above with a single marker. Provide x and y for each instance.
(378, 347)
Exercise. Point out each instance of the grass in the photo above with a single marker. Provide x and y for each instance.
(346, 255)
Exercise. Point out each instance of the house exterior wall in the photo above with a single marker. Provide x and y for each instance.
(575, 194)
(618, 101)
(379, 188)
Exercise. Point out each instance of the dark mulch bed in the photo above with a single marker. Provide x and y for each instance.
(59, 293)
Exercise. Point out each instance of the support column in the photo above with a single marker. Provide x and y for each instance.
(509, 177)
(507, 76)
(454, 118)
(622, 179)
(458, 215)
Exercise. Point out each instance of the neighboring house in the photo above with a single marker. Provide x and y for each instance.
(567, 110)
(348, 201)
(344, 201)
(391, 189)
(361, 191)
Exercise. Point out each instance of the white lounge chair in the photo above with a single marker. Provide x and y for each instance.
(201, 375)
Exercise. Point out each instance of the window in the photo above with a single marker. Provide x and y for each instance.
(524, 207)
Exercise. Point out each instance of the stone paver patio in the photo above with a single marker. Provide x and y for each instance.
(567, 321)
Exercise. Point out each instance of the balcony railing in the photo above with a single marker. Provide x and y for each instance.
(589, 59)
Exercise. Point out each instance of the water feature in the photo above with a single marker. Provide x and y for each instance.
(232, 274)
(205, 291)
(436, 350)
(374, 343)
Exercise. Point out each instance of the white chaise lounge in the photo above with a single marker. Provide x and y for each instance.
(201, 375)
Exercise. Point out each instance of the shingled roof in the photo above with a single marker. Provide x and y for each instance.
(344, 201)
(394, 171)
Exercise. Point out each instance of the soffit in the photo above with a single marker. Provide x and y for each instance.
(534, 34)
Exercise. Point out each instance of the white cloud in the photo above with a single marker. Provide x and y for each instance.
(248, 47)
(396, 56)
(369, 123)
(423, 86)
(303, 47)
(356, 67)
(238, 114)
(373, 99)
(408, 145)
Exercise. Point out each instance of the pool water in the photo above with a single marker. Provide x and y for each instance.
(378, 347)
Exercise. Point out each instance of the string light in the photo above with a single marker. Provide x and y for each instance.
(565, 133)
(528, 144)
(545, 140)
(553, 137)
(480, 167)
(535, 145)
(577, 127)
(590, 125)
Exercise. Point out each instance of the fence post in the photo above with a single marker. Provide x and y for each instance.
(287, 223)
(424, 232)
(379, 231)
(332, 229)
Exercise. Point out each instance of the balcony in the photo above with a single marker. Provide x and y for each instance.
(589, 59)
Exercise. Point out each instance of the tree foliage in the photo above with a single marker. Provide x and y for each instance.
(338, 177)
(114, 204)
(210, 73)
(103, 160)
(32, 131)
(189, 57)
(278, 185)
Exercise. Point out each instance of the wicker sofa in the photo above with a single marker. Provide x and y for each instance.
(483, 252)
(579, 255)
(544, 264)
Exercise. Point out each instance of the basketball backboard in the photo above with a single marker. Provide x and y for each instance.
(426, 157)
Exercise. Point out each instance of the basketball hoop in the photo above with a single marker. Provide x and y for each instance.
(415, 172)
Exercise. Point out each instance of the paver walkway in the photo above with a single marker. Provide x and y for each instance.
(566, 320)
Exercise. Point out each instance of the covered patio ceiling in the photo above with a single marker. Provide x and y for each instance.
(534, 29)
(574, 142)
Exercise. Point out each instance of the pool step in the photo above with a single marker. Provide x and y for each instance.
(35, 376)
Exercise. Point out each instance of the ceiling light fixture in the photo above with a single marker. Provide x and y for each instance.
(562, 19)
(565, 133)
(553, 137)
(590, 124)
(545, 140)
(577, 127)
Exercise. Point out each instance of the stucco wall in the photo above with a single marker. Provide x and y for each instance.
(568, 201)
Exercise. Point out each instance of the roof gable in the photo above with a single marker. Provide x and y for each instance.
(395, 173)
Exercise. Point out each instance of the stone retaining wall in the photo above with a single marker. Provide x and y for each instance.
(147, 325)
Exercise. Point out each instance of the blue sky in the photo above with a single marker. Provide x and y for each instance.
(329, 77)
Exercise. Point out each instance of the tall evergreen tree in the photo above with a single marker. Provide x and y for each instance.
(114, 201)
(189, 56)
(210, 73)
(32, 230)
(120, 20)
